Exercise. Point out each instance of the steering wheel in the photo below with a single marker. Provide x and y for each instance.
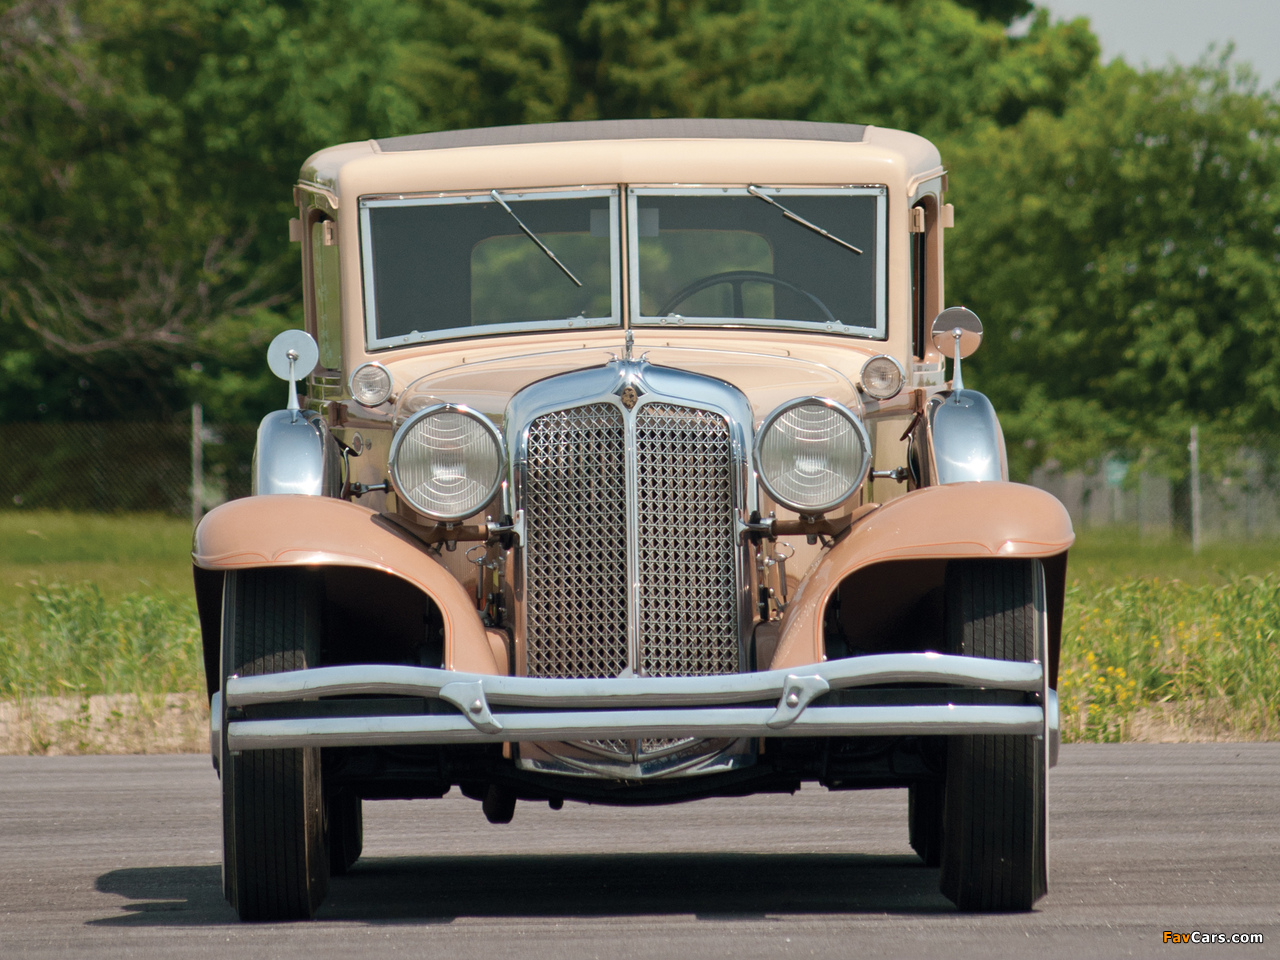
(736, 278)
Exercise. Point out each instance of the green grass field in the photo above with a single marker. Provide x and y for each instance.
(1157, 642)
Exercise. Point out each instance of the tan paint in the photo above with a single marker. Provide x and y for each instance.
(296, 531)
(767, 379)
(953, 521)
(891, 158)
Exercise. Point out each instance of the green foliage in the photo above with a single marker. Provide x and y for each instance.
(926, 65)
(1209, 651)
(1116, 228)
(150, 149)
(1126, 252)
(70, 641)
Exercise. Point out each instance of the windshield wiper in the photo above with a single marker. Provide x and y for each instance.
(534, 237)
(790, 215)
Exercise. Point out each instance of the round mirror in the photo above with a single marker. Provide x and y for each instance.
(295, 345)
(945, 326)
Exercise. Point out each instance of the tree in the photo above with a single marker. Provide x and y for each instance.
(1125, 256)
(926, 65)
(152, 146)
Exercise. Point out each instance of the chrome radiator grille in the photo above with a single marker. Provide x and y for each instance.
(579, 514)
(576, 549)
(688, 616)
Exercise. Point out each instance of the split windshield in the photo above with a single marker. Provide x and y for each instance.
(506, 262)
(727, 256)
(451, 267)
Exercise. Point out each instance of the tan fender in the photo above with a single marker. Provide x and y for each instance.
(287, 530)
(992, 519)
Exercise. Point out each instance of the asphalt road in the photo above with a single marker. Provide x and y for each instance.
(104, 857)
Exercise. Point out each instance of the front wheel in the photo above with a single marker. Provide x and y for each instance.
(275, 856)
(994, 853)
(345, 819)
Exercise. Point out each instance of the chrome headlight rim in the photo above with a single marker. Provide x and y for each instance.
(393, 458)
(806, 510)
(862, 377)
(351, 384)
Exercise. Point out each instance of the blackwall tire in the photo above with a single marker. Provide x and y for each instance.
(994, 855)
(346, 831)
(924, 821)
(275, 855)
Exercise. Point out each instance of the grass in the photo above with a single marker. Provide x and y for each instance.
(96, 604)
(1160, 643)
(97, 635)
(69, 640)
(136, 553)
(1156, 642)
(1109, 555)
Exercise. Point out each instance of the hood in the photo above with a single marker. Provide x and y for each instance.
(766, 379)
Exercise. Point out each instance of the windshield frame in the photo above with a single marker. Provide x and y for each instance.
(372, 202)
(880, 255)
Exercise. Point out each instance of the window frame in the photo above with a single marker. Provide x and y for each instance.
(368, 203)
(881, 268)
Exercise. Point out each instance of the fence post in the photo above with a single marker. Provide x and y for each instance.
(1194, 447)
(197, 463)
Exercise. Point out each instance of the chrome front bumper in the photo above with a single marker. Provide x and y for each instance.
(474, 708)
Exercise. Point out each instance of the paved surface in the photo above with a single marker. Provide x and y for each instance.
(105, 857)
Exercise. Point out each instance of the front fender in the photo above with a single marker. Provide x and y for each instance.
(958, 520)
(303, 531)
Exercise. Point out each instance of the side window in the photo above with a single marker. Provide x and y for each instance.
(328, 304)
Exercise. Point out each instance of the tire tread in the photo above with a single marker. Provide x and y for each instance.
(278, 843)
(993, 848)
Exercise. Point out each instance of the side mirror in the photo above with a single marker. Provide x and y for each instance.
(291, 356)
(957, 333)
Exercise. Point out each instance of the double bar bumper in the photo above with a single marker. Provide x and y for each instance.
(473, 708)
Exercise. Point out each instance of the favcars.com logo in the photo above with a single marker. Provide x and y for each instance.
(1198, 937)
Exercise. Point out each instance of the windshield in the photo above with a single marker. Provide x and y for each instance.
(444, 267)
(813, 258)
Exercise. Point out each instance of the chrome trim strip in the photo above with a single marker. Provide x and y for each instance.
(389, 680)
(732, 722)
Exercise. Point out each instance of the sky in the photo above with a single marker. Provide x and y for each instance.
(1155, 31)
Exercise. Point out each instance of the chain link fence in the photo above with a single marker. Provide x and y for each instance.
(122, 467)
(125, 467)
(1233, 496)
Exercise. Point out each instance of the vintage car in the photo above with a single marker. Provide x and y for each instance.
(627, 471)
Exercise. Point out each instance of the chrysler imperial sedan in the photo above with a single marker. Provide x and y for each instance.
(626, 469)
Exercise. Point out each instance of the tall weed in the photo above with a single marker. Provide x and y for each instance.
(1210, 651)
(68, 640)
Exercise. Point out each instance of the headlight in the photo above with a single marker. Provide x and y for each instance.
(370, 384)
(882, 377)
(812, 454)
(447, 461)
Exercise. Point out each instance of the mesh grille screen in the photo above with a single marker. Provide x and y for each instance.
(576, 550)
(688, 601)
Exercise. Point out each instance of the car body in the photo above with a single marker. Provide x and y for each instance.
(628, 472)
